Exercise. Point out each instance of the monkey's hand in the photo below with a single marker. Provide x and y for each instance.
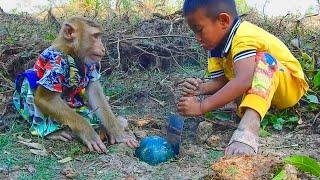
(127, 138)
(90, 138)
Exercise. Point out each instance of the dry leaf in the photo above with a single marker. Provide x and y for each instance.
(39, 152)
(69, 173)
(33, 145)
(142, 122)
(24, 139)
(141, 134)
(65, 160)
(85, 150)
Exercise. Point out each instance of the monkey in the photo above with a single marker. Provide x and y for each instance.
(61, 96)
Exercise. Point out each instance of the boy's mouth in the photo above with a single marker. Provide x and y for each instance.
(203, 45)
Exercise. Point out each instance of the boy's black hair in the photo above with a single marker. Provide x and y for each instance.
(213, 7)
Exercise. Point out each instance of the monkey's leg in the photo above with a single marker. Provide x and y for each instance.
(64, 134)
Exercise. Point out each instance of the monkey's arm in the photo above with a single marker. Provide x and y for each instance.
(50, 103)
(98, 101)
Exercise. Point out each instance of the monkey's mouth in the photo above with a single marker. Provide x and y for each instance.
(97, 56)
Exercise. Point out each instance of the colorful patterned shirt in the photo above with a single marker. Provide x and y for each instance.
(60, 73)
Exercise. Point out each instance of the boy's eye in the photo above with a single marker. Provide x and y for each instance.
(198, 29)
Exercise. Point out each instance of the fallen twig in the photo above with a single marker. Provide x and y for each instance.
(222, 123)
(151, 37)
(315, 118)
(162, 103)
(289, 146)
(119, 55)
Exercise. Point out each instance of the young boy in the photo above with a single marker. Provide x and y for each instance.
(244, 61)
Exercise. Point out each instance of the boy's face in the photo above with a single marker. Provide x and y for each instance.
(209, 32)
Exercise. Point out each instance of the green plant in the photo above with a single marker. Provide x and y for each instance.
(313, 102)
(303, 163)
(50, 37)
(316, 80)
(219, 115)
(286, 118)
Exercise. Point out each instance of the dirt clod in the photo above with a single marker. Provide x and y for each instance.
(213, 141)
(246, 167)
(204, 131)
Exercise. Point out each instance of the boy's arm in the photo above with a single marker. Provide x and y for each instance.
(244, 70)
(212, 85)
(196, 87)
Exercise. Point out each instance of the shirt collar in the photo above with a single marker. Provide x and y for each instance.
(223, 48)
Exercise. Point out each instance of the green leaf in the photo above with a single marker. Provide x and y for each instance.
(313, 99)
(278, 124)
(316, 80)
(50, 37)
(208, 115)
(264, 123)
(264, 133)
(293, 119)
(305, 164)
(280, 176)
(222, 116)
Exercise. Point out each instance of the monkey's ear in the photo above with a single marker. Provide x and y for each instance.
(69, 31)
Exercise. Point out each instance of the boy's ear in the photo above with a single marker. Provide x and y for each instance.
(225, 20)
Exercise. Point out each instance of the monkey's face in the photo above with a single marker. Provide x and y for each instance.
(91, 47)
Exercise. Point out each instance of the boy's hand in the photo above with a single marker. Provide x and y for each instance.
(190, 87)
(189, 106)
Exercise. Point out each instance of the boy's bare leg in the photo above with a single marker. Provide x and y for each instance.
(245, 138)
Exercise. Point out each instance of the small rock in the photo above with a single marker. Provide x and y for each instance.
(140, 134)
(291, 172)
(213, 141)
(31, 169)
(4, 170)
(204, 131)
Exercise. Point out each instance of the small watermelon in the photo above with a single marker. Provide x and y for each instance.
(154, 150)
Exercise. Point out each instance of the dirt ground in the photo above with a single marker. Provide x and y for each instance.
(194, 162)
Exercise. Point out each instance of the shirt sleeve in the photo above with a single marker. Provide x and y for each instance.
(215, 67)
(94, 72)
(54, 74)
(245, 47)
